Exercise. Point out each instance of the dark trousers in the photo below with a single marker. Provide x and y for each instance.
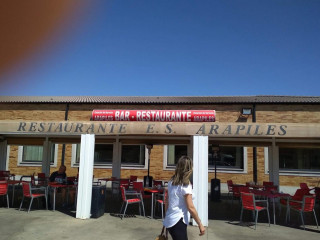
(179, 231)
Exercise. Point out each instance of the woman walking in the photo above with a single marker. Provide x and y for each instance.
(179, 202)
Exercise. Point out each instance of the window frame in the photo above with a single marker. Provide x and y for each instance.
(303, 173)
(32, 164)
(109, 165)
(210, 169)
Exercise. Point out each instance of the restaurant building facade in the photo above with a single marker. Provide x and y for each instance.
(254, 138)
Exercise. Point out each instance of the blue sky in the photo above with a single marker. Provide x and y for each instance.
(178, 48)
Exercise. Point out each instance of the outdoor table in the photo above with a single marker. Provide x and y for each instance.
(153, 191)
(54, 186)
(272, 196)
(14, 183)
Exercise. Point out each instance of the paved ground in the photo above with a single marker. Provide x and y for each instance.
(42, 224)
(223, 224)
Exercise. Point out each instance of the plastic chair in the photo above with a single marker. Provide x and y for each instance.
(244, 189)
(127, 201)
(230, 187)
(42, 180)
(4, 175)
(305, 186)
(271, 189)
(265, 184)
(157, 183)
(235, 192)
(132, 179)
(292, 200)
(162, 201)
(304, 206)
(138, 186)
(4, 191)
(249, 203)
(27, 192)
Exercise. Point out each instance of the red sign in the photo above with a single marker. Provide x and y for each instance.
(155, 115)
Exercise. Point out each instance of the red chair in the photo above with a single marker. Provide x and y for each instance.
(249, 203)
(71, 180)
(138, 186)
(265, 184)
(127, 201)
(235, 192)
(244, 189)
(304, 206)
(271, 189)
(27, 192)
(162, 201)
(305, 186)
(124, 183)
(132, 179)
(42, 180)
(4, 175)
(4, 191)
(157, 183)
(298, 196)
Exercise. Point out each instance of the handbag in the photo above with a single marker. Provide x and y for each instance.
(163, 236)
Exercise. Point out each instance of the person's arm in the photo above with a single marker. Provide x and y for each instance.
(52, 177)
(166, 201)
(194, 213)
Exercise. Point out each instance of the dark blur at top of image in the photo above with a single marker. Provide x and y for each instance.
(27, 26)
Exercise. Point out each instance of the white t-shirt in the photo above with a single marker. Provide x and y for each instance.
(177, 208)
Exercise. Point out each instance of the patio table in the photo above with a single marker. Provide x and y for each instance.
(14, 183)
(54, 186)
(153, 191)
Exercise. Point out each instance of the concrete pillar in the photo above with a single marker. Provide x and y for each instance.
(85, 176)
(273, 155)
(46, 157)
(3, 155)
(116, 159)
(200, 177)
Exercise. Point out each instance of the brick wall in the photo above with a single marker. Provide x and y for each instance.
(225, 113)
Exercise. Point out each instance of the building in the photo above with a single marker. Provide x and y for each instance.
(255, 138)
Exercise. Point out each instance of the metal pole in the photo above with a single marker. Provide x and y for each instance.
(63, 145)
(149, 147)
(254, 155)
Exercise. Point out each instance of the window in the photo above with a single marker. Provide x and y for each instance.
(32, 155)
(299, 159)
(228, 157)
(102, 154)
(174, 152)
(133, 155)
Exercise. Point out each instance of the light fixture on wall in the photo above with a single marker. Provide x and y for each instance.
(246, 111)
(244, 114)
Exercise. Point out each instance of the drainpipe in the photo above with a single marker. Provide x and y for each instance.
(255, 169)
(63, 145)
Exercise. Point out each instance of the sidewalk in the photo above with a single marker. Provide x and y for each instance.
(224, 224)
(49, 225)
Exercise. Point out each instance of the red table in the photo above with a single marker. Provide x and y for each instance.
(153, 191)
(54, 186)
(14, 183)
